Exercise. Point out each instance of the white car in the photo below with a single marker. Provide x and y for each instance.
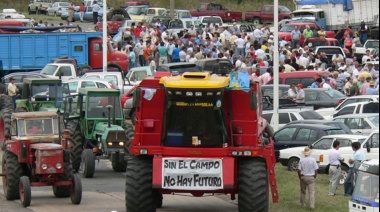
(11, 14)
(328, 113)
(360, 124)
(57, 8)
(288, 115)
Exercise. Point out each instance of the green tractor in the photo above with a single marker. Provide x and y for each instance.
(96, 127)
(40, 94)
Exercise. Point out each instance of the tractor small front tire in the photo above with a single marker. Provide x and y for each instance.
(25, 191)
(76, 190)
(88, 163)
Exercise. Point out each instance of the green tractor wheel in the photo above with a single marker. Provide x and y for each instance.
(77, 144)
(88, 163)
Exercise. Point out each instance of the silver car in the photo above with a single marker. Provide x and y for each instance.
(57, 8)
(360, 124)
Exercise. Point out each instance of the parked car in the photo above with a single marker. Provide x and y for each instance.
(265, 15)
(370, 147)
(306, 78)
(291, 156)
(328, 112)
(360, 124)
(38, 6)
(137, 12)
(296, 135)
(324, 122)
(178, 13)
(321, 97)
(358, 108)
(117, 77)
(126, 26)
(330, 51)
(208, 64)
(176, 26)
(205, 20)
(19, 78)
(164, 19)
(177, 68)
(11, 13)
(57, 8)
(207, 9)
(288, 115)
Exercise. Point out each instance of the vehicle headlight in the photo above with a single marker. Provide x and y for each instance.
(121, 143)
(44, 166)
(109, 143)
(58, 165)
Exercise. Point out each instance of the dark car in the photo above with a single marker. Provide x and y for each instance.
(267, 90)
(19, 78)
(267, 93)
(324, 122)
(302, 135)
(322, 97)
(208, 64)
(177, 68)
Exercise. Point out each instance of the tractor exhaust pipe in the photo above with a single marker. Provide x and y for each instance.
(109, 114)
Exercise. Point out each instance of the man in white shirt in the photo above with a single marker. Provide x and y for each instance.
(307, 173)
(260, 53)
(356, 71)
(335, 158)
(140, 45)
(300, 98)
(192, 31)
(367, 56)
(337, 58)
(257, 33)
(239, 42)
(95, 11)
(326, 84)
(301, 60)
(292, 93)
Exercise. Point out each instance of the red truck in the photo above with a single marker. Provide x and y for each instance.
(285, 31)
(265, 15)
(212, 9)
(115, 18)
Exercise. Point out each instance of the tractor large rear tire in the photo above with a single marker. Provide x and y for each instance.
(77, 145)
(5, 125)
(13, 171)
(64, 191)
(6, 102)
(139, 194)
(253, 191)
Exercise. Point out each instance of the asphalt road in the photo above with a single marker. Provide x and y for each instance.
(105, 192)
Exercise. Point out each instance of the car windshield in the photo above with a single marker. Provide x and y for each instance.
(334, 93)
(134, 10)
(330, 51)
(303, 14)
(374, 120)
(64, 4)
(372, 44)
(334, 132)
(361, 140)
(311, 115)
(324, 143)
(49, 69)
(284, 9)
(366, 189)
(287, 28)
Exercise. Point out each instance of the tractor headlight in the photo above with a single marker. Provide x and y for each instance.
(109, 143)
(58, 165)
(121, 143)
(44, 166)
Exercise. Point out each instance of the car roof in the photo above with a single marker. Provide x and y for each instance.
(363, 96)
(363, 115)
(360, 103)
(312, 121)
(87, 79)
(316, 89)
(24, 73)
(100, 73)
(319, 126)
(271, 86)
(349, 136)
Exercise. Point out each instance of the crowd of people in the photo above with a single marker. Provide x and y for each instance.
(153, 44)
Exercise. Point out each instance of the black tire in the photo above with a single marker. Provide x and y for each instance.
(114, 66)
(118, 166)
(293, 164)
(13, 171)
(6, 102)
(5, 125)
(76, 190)
(117, 18)
(256, 21)
(344, 173)
(130, 133)
(253, 188)
(84, 69)
(88, 163)
(116, 13)
(25, 191)
(64, 191)
(139, 194)
(77, 144)
(158, 198)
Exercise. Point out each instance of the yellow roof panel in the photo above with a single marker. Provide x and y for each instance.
(195, 80)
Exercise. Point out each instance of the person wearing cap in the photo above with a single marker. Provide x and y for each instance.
(307, 173)
(12, 90)
(300, 98)
(371, 90)
(335, 159)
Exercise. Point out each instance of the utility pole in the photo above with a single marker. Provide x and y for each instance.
(105, 37)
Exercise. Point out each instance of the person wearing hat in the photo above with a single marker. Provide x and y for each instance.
(307, 173)
(12, 90)
(300, 98)
(371, 90)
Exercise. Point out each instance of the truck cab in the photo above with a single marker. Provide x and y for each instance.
(312, 13)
